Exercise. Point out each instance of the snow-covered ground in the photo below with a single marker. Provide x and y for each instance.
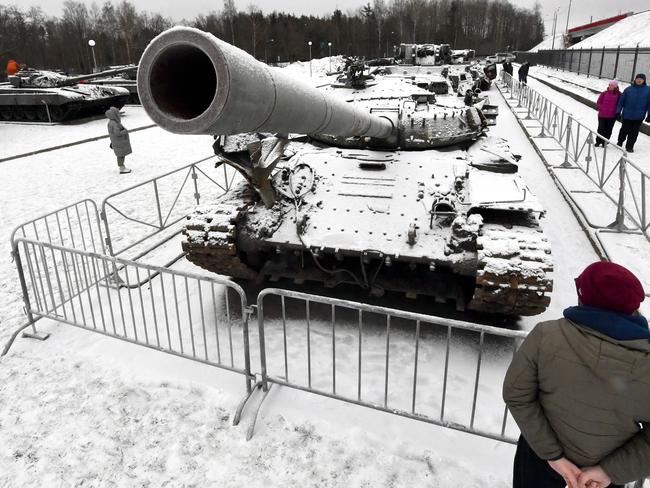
(584, 85)
(83, 409)
(548, 43)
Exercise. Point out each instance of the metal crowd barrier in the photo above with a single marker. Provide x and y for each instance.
(355, 352)
(609, 63)
(618, 178)
(203, 318)
(158, 204)
(431, 369)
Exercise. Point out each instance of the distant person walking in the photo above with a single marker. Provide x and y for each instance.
(523, 72)
(633, 107)
(120, 142)
(12, 67)
(507, 67)
(607, 102)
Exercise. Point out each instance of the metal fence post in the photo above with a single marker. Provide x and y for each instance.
(602, 59)
(591, 51)
(619, 223)
(197, 195)
(567, 144)
(636, 57)
(34, 334)
(618, 52)
(579, 61)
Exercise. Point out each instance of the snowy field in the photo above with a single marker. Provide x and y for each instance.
(81, 409)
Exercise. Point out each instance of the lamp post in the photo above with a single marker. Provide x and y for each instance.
(265, 46)
(91, 43)
(554, 25)
(567, 17)
(309, 57)
(329, 45)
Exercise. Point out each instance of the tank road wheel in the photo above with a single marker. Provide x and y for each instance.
(17, 113)
(513, 271)
(57, 113)
(31, 113)
(5, 112)
(41, 113)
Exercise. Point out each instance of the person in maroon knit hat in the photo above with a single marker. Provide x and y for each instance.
(579, 389)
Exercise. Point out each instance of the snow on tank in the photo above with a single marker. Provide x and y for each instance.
(364, 198)
(47, 96)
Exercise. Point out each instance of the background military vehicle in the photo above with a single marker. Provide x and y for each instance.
(363, 199)
(46, 96)
(122, 79)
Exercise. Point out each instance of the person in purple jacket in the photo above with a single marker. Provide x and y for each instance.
(607, 102)
(633, 107)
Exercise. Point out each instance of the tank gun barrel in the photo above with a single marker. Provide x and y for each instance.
(73, 80)
(191, 82)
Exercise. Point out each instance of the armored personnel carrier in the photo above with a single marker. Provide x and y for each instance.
(46, 96)
(363, 198)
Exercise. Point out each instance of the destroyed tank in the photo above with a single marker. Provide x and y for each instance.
(46, 96)
(342, 190)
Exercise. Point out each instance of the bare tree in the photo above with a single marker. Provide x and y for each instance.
(379, 7)
(127, 20)
(229, 12)
(255, 13)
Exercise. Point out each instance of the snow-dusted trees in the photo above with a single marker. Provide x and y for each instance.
(122, 32)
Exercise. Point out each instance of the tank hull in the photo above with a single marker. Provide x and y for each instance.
(58, 104)
(374, 228)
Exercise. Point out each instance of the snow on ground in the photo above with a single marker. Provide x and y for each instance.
(586, 86)
(629, 32)
(82, 409)
(548, 43)
(319, 67)
(44, 182)
(20, 137)
(106, 414)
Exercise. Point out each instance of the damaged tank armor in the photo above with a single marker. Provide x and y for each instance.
(364, 198)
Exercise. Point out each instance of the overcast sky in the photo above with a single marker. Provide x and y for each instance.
(581, 10)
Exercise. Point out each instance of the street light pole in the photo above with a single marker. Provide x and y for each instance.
(309, 58)
(91, 43)
(567, 17)
(554, 26)
(329, 45)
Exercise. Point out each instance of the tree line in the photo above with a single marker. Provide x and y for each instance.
(121, 32)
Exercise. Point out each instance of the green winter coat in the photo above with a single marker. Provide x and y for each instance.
(577, 392)
(120, 142)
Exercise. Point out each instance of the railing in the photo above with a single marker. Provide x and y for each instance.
(136, 214)
(611, 63)
(622, 181)
(203, 318)
(430, 369)
(440, 371)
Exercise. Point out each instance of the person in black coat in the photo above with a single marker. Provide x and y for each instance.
(523, 72)
(507, 67)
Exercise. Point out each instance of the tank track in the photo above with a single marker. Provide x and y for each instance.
(210, 237)
(514, 263)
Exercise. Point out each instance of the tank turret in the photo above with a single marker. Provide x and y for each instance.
(366, 199)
